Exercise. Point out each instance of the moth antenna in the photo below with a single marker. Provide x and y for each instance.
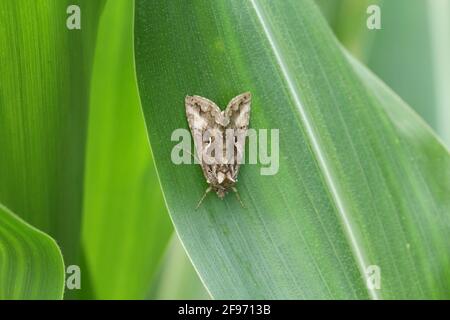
(238, 197)
(203, 197)
(189, 153)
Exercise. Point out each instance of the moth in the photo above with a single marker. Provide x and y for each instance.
(219, 139)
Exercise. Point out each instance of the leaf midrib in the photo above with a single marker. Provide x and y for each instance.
(329, 179)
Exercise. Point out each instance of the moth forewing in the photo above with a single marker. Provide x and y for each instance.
(239, 113)
(219, 138)
(198, 144)
(239, 145)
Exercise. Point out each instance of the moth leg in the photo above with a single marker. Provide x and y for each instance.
(203, 197)
(237, 196)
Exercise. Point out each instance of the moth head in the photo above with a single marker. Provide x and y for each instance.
(221, 193)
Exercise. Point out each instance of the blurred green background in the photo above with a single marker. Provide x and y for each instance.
(410, 53)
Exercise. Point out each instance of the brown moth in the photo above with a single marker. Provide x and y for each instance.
(219, 138)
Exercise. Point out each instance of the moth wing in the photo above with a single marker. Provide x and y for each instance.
(201, 114)
(238, 111)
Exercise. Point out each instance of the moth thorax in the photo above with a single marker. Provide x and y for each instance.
(220, 177)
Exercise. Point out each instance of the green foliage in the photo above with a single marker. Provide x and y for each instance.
(31, 264)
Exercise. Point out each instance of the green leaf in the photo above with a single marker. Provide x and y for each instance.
(439, 26)
(125, 224)
(177, 278)
(44, 85)
(31, 264)
(362, 180)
